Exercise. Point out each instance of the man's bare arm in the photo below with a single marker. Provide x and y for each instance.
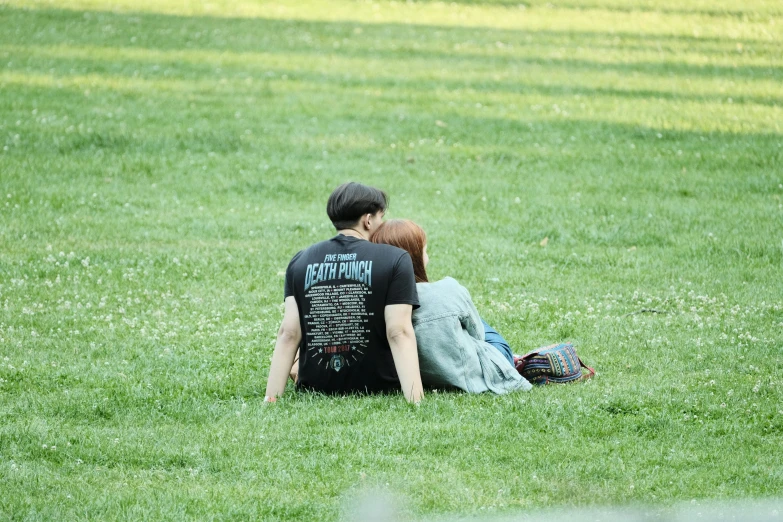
(402, 340)
(288, 338)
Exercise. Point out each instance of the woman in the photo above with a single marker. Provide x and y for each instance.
(456, 347)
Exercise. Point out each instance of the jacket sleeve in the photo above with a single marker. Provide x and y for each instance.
(470, 318)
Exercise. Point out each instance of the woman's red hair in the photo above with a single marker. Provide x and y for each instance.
(405, 234)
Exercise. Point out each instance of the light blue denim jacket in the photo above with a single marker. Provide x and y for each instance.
(450, 337)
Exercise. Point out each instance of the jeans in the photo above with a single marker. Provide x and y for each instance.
(492, 337)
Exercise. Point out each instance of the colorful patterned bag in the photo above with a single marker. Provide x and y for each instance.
(553, 364)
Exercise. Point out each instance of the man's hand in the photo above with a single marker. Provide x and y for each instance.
(288, 338)
(402, 340)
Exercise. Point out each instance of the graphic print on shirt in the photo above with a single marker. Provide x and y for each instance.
(338, 323)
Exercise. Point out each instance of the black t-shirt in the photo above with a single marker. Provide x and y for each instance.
(341, 287)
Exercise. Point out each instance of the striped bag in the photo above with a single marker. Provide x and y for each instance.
(553, 364)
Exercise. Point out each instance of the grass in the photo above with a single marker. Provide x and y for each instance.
(160, 163)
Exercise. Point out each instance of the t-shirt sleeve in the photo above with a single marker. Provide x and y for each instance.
(402, 286)
(289, 277)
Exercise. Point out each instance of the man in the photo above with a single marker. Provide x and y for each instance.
(348, 307)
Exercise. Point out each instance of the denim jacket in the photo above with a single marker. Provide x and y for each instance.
(450, 337)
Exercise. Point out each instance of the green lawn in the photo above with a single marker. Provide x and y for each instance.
(574, 163)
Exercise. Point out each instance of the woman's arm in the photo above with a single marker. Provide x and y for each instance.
(471, 319)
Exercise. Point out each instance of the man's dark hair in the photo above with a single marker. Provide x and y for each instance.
(350, 201)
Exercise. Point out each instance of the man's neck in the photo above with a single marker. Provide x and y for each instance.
(353, 233)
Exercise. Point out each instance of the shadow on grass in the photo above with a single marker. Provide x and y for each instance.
(229, 52)
(616, 6)
(116, 70)
(167, 32)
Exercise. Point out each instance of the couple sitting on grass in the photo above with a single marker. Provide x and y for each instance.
(362, 317)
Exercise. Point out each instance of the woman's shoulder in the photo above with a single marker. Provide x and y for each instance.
(446, 288)
(439, 301)
(449, 283)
